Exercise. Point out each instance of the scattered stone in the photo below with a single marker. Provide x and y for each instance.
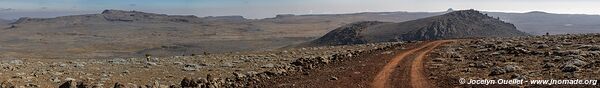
(178, 63)
(83, 85)
(568, 52)
(126, 72)
(187, 82)
(517, 76)
(16, 62)
(594, 48)
(55, 80)
(548, 65)
(190, 67)
(227, 64)
(479, 65)
(510, 68)
(576, 62)
(79, 65)
(497, 71)
(117, 61)
(333, 78)
(569, 68)
(501, 70)
(6, 84)
(69, 79)
(151, 63)
(118, 85)
(251, 73)
(483, 50)
(496, 53)
(239, 75)
(62, 65)
(387, 52)
(557, 48)
(543, 46)
(268, 66)
(68, 84)
(438, 59)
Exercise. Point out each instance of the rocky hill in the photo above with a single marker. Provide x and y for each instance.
(458, 24)
(348, 34)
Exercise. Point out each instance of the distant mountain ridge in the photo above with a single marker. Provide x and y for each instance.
(128, 16)
(127, 33)
(457, 24)
(3, 21)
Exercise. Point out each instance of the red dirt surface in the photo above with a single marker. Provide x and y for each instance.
(400, 67)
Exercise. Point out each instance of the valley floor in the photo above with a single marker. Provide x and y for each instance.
(216, 70)
(426, 64)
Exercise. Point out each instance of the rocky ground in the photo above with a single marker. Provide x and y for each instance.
(206, 70)
(539, 57)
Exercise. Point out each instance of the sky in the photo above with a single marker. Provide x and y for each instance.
(13, 9)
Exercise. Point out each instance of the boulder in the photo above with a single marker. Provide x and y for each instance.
(118, 85)
(543, 46)
(227, 64)
(501, 70)
(68, 84)
(187, 83)
(548, 65)
(497, 71)
(6, 84)
(268, 66)
(576, 62)
(594, 48)
(510, 68)
(569, 68)
(16, 62)
(568, 52)
(190, 67)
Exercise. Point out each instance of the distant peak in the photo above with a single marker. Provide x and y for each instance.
(540, 12)
(111, 11)
(449, 10)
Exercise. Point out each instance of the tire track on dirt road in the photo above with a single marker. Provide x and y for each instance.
(369, 70)
(416, 77)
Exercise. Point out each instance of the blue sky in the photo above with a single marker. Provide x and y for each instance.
(11, 9)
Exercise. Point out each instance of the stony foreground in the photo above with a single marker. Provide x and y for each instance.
(208, 70)
(538, 57)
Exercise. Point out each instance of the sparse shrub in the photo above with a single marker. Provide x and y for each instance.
(148, 57)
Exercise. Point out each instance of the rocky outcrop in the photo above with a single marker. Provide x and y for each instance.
(347, 34)
(562, 56)
(457, 24)
(462, 24)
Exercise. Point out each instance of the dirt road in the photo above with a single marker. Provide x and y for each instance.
(401, 69)
(414, 65)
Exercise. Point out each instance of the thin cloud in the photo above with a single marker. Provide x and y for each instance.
(6, 9)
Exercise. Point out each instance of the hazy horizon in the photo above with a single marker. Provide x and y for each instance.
(13, 9)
